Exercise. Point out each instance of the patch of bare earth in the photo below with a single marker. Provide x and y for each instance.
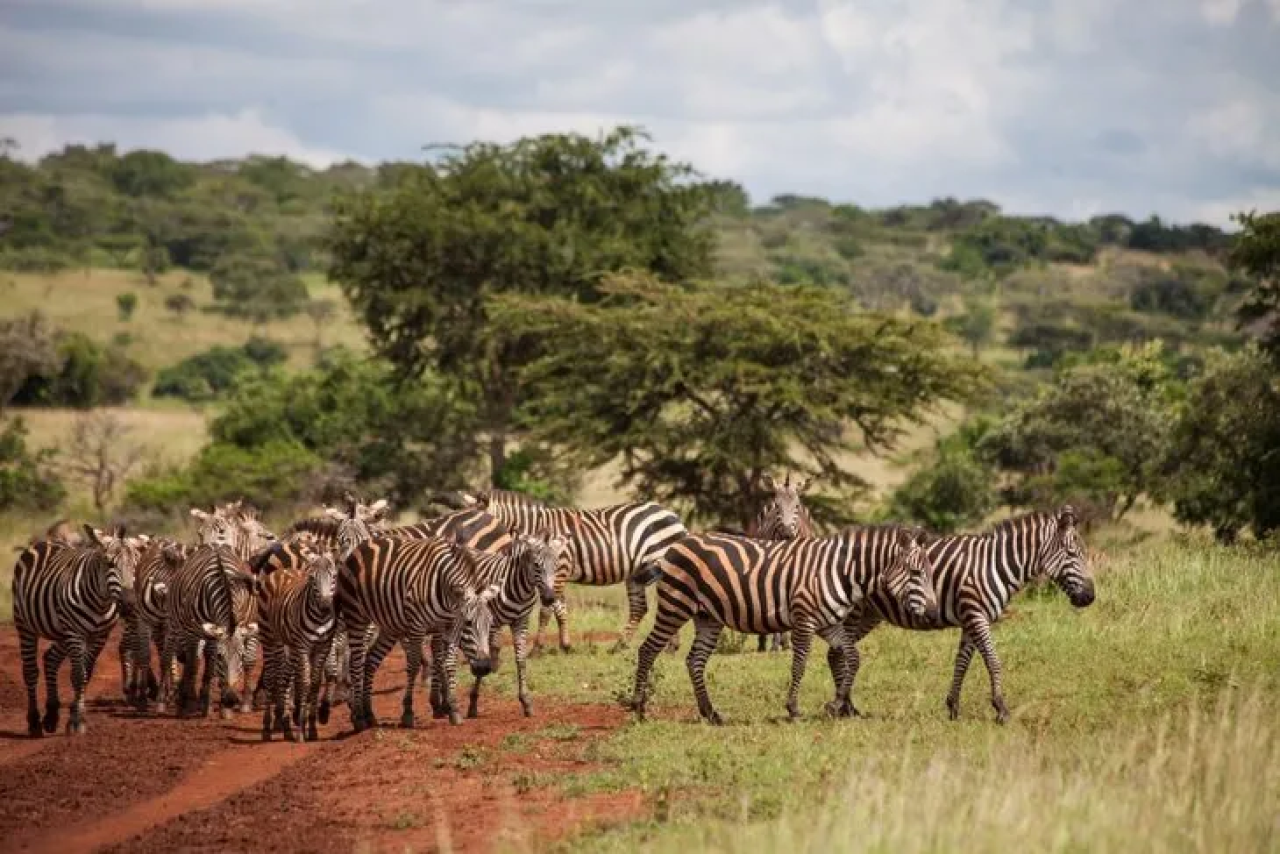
(161, 784)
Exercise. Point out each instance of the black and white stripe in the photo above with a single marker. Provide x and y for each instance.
(144, 619)
(783, 517)
(411, 589)
(296, 610)
(608, 545)
(975, 576)
(807, 586)
(525, 573)
(203, 597)
(70, 596)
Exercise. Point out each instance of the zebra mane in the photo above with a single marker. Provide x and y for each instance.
(508, 498)
(318, 525)
(1017, 523)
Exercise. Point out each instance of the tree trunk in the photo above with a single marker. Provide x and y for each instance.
(497, 454)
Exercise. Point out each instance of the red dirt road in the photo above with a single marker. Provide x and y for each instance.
(143, 784)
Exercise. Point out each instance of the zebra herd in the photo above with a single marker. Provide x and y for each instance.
(325, 602)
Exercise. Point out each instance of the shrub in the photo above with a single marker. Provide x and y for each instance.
(27, 479)
(88, 375)
(953, 492)
(278, 475)
(211, 374)
(126, 304)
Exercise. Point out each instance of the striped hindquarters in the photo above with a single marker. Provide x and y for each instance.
(474, 528)
(62, 591)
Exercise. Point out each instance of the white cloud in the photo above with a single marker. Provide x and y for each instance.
(209, 137)
(1058, 106)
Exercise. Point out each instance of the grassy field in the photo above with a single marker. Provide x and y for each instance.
(1150, 721)
(86, 302)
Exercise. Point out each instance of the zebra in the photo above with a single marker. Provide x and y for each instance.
(205, 595)
(783, 517)
(297, 630)
(325, 531)
(71, 596)
(975, 576)
(144, 623)
(608, 545)
(805, 585)
(525, 573)
(237, 527)
(409, 589)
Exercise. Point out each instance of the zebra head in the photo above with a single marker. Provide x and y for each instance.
(357, 524)
(1065, 560)
(123, 554)
(324, 578)
(910, 577)
(545, 553)
(785, 509)
(476, 624)
(234, 526)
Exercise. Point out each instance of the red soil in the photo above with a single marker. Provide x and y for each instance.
(148, 783)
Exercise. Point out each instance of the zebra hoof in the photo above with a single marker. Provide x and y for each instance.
(323, 712)
(527, 708)
(953, 709)
(714, 719)
(33, 725)
(312, 733)
(455, 718)
(1002, 712)
(406, 720)
(76, 728)
(246, 708)
(225, 713)
(51, 721)
(266, 735)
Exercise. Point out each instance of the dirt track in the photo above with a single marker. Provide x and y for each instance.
(161, 784)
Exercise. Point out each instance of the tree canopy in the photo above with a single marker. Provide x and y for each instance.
(702, 389)
(543, 215)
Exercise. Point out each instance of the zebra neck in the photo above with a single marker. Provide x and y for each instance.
(93, 586)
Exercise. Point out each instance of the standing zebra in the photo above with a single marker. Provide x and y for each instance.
(525, 573)
(783, 517)
(410, 589)
(144, 622)
(608, 545)
(203, 597)
(70, 596)
(297, 629)
(805, 585)
(975, 576)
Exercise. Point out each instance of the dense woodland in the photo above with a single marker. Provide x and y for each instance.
(536, 308)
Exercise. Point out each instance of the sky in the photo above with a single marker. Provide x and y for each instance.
(1063, 107)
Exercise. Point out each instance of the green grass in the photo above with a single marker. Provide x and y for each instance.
(1146, 722)
(86, 303)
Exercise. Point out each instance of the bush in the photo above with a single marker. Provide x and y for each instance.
(1183, 293)
(955, 491)
(278, 475)
(211, 374)
(126, 304)
(88, 375)
(28, 481)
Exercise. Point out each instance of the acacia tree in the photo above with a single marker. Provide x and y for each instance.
(547, 215)
(701, 390)
(100, 453)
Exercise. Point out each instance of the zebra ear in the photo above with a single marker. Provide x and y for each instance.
(199, 514)
(807, 482)
(334, 513)
(1066, 517)
(768, 483)
(95, 536)
(378, 509)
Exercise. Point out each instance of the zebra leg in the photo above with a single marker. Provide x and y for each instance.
(214, 665)
(27, 645)
(153, 683)
(299, 682)
(473, 705)
(637, 607)
(128, 665)
(856, 627)
(374, 656)
(168, 654)
(141, 677)
(445, 657)
(801, 639)
(438, 678)
(53, 657)
(838, 639)
(707, 635)
(980, 633)
(762, 641)
(355, 700)
(315, 678)
(964, 654)
(413, 660)
(672, 615)
(270, 667)
(520, 641)
(78, 652)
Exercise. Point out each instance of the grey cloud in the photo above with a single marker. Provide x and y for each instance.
(1059, 106)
